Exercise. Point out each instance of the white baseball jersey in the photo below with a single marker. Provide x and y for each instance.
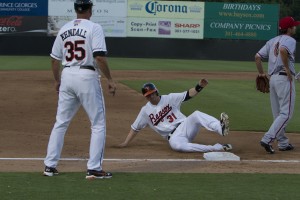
(77, 41)
(163, 117)
(166, 119)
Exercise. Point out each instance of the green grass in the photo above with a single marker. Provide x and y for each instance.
(150, 186)
(179, 65)
(248, 110)
(43, 63)
(25, 62)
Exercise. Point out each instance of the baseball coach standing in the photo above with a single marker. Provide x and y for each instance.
(78, 45)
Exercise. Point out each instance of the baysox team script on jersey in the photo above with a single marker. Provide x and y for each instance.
(164, 117)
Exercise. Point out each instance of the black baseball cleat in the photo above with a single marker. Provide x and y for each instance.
(267, 147)
(94, 174)
(227, 147)
(50, 171)
(287, 148)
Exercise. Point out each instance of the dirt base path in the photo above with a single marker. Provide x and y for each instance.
(28, 106)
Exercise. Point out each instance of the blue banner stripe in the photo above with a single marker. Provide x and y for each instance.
(24, 7)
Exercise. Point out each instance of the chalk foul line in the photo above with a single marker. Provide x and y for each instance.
(151, 160)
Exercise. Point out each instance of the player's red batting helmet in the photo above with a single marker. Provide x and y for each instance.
(148, 88)
(81, 5)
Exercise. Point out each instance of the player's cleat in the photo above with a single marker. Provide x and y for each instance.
(93, 174)
(50, 171)
(287, 148)
(227, 147)
(224, 120)
(267, 147)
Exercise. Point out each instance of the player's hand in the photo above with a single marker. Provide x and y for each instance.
(57, 85)
(122, 145)
(112, 87)
(289, 76)
(203, 82)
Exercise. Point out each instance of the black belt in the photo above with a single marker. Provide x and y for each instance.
(283, 73)
(170, 134)
(85, 67)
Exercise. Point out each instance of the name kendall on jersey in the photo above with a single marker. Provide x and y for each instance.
(73, 32)
(156, 118)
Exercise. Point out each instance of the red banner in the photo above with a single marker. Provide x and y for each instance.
(32, 25)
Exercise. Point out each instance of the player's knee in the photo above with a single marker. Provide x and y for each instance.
(196, 112)
(178, 146)
(285, 117)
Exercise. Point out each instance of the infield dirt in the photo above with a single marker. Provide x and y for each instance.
(28, 108)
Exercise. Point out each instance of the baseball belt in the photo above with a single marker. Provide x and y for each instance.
(285, 74)
(85, 67)
(170, 134)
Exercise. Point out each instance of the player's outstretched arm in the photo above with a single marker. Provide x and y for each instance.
(132, 133)
(200, 85)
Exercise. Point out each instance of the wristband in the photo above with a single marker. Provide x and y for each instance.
(198, 88)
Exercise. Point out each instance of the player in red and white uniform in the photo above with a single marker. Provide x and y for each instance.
(280, 52)
(77, 46)
(163, 115)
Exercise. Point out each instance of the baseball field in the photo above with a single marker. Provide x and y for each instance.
(147, 168)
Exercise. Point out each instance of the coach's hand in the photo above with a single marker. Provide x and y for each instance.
(57, 85)
(112, 87)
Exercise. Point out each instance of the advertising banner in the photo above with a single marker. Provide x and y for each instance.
(101, 8)
(146, 18)
(241, 21)
(110, 14)
(240, 29)
(166, 9)
(26, 17)
(165, 28)
(242, 11)
(25, 25)
(112, 26)
(24, 8)
(165, 19)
